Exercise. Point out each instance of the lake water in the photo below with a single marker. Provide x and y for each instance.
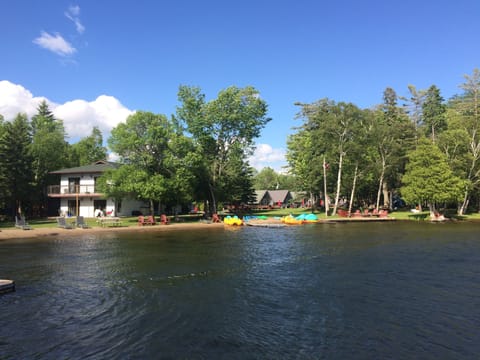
(331, 291)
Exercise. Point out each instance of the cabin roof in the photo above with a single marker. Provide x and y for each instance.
(278, 195)
(97, 167)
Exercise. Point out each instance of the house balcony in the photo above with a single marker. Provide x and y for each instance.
(68, 191)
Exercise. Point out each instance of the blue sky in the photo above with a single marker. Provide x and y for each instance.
(97, 61)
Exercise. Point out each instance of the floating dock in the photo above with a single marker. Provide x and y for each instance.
(6, 286)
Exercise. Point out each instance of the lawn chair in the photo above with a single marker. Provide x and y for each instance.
(63, 223)
(80, 221)
(21, 223)
(164, 219)
(141, 220)
(215, 218)
(150, 220)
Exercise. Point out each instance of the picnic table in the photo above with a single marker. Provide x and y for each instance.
(109, 221)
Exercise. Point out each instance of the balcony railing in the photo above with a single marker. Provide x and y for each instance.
(71, 189)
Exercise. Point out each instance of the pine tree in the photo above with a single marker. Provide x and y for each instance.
(16, 164)
(428, 178)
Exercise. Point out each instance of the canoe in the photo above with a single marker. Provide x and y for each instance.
(7, 286)
(266, 225)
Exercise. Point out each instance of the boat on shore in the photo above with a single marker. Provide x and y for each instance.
(233, 220)
(264, 221)
(291, 220)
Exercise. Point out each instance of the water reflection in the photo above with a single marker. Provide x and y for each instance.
(322, 291)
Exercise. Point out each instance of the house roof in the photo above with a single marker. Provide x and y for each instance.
(97, 167)
(259, 195)
(279, 195)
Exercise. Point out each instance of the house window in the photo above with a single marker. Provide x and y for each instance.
(95, 178)
(73, 185)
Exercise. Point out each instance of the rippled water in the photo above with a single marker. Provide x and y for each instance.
(342, 291)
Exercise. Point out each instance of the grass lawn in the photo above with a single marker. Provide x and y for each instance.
(133, 220)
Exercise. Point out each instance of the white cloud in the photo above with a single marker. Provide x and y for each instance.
(79, 116)
(265, 155)
(16, 99)
(55, 43)
(73, 14)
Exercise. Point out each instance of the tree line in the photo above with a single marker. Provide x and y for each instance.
(421, 149)
(198, 154)
(29, 150)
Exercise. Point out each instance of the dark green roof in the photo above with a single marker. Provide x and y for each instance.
(97, 167)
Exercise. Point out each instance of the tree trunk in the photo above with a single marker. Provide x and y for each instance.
(380, 185)
(152, 207)
(213, 202)
(379, 190)
(387, 196)
(325, 196)
(463, 207)
(339, 183)
(431, 208)
(353, 190)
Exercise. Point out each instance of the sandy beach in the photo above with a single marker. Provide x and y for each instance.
(44, 232)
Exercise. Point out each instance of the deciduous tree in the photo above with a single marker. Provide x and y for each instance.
(223, 130)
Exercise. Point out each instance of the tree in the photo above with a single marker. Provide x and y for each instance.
(304, 162)
(44, 119)
(89, 149)
(3, 169)
(48, 150)
(16, 163)
(414, 107)
(223, 130)
(428, 179)
(468, 106)
(158, 162)
(433, 112)
(390, 137)
(333, 129)
(266, 179)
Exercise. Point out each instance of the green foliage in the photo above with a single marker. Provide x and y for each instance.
(16, 163)
(223, 131)
(49, 152)
(89, 149)
(266, 179)
(428, 179)
(44, 119)
(159, 163)
(433, 112)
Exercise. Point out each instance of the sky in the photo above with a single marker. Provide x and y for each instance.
(96, 62)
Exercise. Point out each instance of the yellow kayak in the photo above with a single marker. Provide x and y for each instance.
(232, 220)
(290, 220)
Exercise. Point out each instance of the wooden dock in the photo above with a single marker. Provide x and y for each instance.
(6, 286)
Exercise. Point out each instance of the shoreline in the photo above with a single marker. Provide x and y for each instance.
(12, 234)
(38, 233)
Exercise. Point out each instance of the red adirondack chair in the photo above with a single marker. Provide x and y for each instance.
(164, 219)
(141, 221)
(215, 218)
(150, 220)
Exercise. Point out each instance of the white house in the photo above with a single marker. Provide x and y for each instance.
(78, 193)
